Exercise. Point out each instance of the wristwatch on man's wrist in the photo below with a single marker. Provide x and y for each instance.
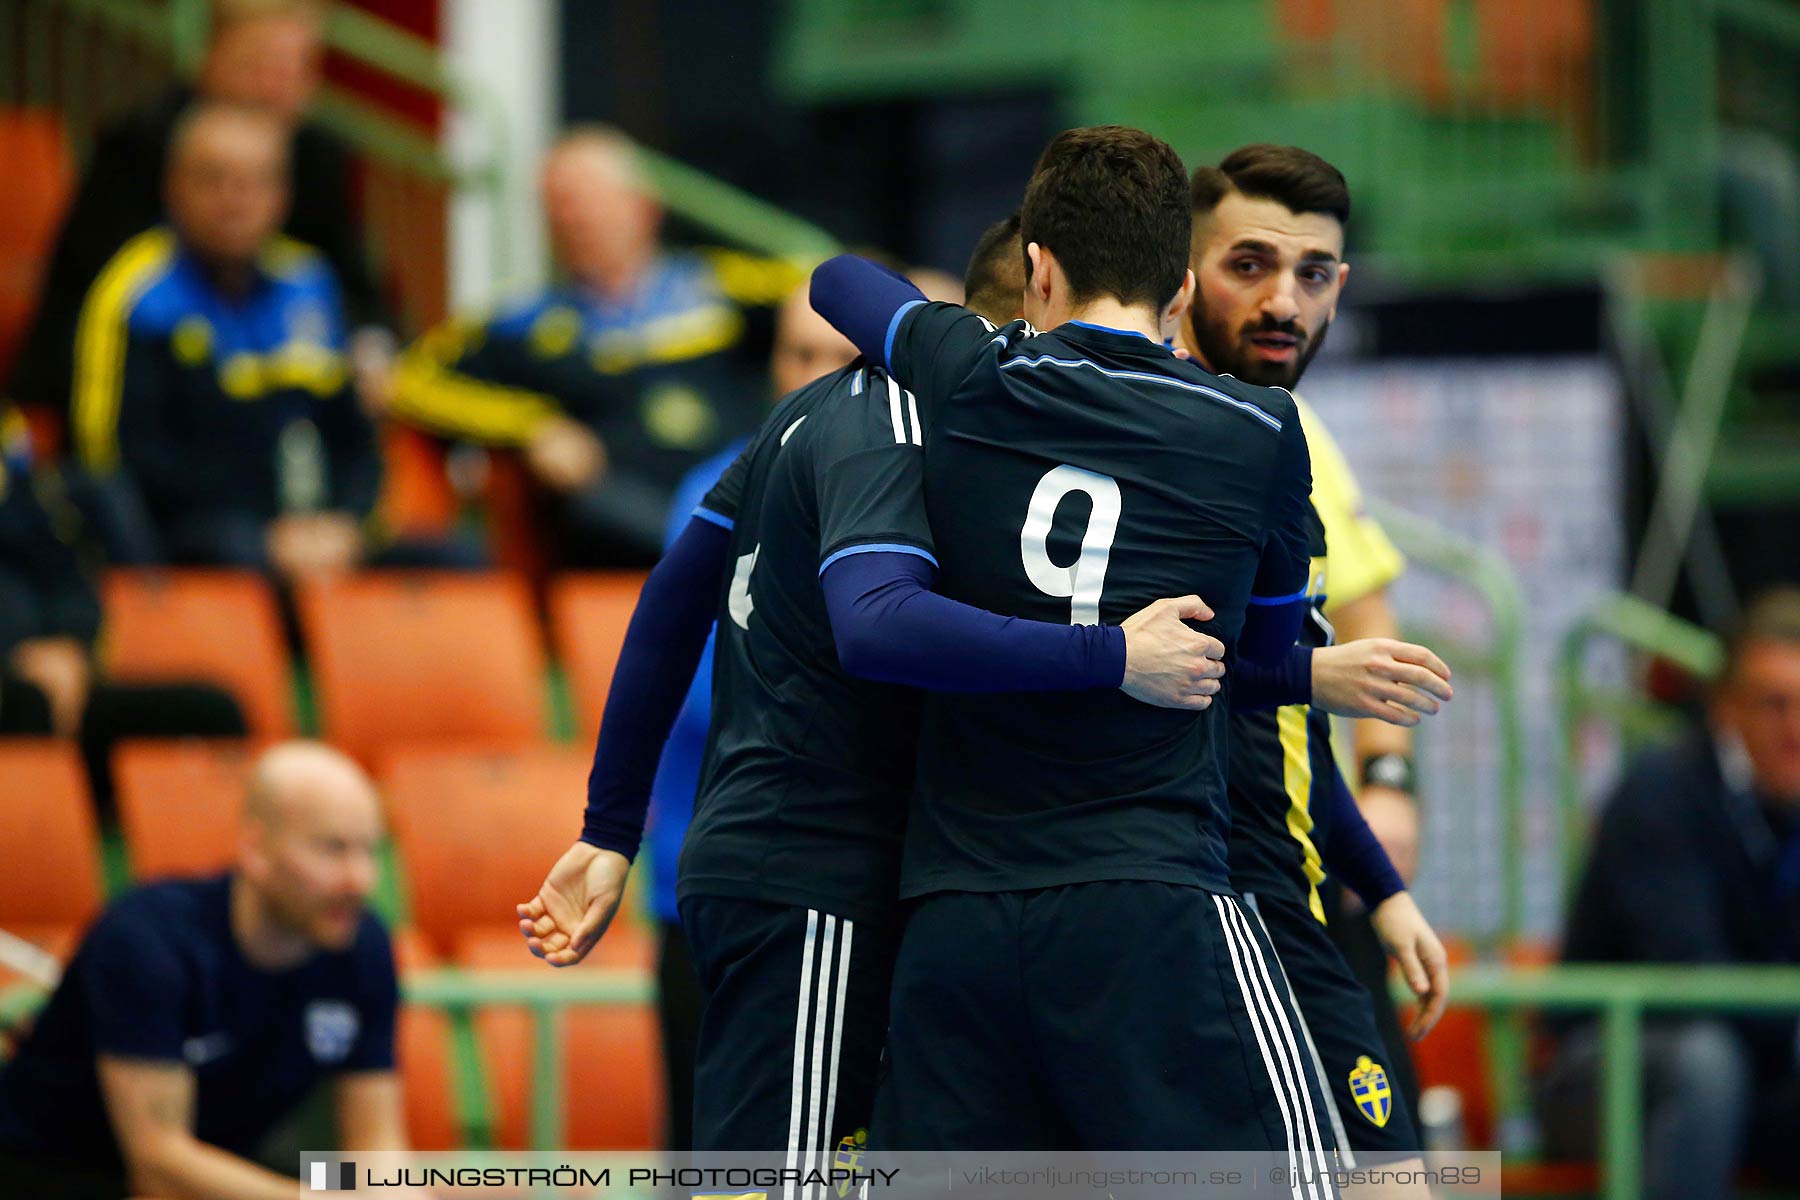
(1389, 771)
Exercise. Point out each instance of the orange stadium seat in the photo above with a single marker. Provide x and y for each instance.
(515, 518)
(422, 1048)
(416, 496)
(179, 803)
(588, 615)
(612, 1068)
(628, 944)
(1308, 20)
(1536, 54)
(1543, 1178)
(477, 830)
(1456, 1056)
(50, 887)
(39, 173)
(413, 657)
(512, 813)
(1401, 43)
(218, 626)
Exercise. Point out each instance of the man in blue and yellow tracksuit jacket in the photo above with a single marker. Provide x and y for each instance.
(212, 400)
(616, 381)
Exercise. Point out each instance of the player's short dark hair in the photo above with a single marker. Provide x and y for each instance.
(1297, 179)
(1111, 203)
(1774, 616)
(995, 279)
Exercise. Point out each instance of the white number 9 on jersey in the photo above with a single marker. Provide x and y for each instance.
(1083, 579)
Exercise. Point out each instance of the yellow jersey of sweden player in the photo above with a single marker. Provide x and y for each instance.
(1281, 759)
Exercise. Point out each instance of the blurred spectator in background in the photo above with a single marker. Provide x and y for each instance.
(49, 619)
(617, 381)
(1697, 860)
(197, 1014)
(212, 398)
(261, 53)
(806, 347)
(49, 610)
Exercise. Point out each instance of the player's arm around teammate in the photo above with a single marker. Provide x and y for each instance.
(877, 601)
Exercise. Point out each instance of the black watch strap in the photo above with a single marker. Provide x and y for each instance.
(1389, 771)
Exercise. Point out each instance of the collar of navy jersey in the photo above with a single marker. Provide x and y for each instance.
(1021, 359)
(1131, 333)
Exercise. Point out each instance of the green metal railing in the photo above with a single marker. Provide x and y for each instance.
(1622, 996)
(1687, 449)
(1642, 627)
(1500, 659)
(542, 991)
(733, 214)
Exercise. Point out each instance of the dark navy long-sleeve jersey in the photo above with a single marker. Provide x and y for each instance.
(1078, 475)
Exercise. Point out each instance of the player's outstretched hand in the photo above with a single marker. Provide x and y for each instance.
(1168, 664)
(1392, 681)
(576, 904)
(1408, 936)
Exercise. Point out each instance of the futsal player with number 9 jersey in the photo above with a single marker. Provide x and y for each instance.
(814, 552)
(1076, 971)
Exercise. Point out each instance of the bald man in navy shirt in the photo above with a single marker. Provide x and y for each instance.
(197, 1014)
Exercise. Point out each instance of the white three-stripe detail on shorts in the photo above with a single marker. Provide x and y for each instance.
(1262, 1044)
(1288, 1098)
(837, 1042)
(816, 1077)
(1346, 1157)
(797, 1098)
(821, 1005)
(1273, 1017)
(1260, 962)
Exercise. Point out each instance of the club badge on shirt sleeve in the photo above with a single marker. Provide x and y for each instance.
(331, 1029)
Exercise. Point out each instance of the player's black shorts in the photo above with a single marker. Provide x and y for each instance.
(795, 1008)
(1367, 1110)
(1118, 1015)
(26, 1177)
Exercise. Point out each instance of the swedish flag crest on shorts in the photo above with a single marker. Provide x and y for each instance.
(849, 1154)
(1369, 1085)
